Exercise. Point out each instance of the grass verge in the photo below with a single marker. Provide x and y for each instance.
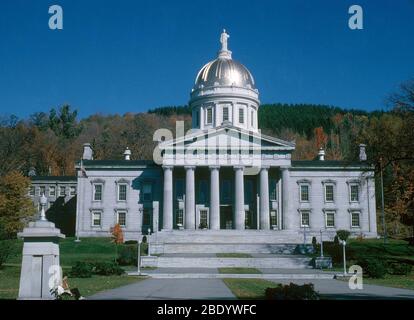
(239, 270)
(10, 277)
(248, 288)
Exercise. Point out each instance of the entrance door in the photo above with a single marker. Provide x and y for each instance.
(226, 217)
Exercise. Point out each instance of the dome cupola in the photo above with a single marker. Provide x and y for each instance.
(224, 92)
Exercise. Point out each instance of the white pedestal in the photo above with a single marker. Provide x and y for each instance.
(40, 261)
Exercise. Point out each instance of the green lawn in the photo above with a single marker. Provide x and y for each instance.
(233, 255)
(249, 288)
(89, 249)
(239, 270)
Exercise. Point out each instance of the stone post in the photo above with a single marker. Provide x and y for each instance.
(40, 270)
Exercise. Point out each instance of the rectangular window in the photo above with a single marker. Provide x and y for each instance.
(329, 193)
(62, 191)
(51, 203)
(251, 119)
(73, 191)
(304, 193)
(330, 219)
(147, 192)
(196, 118)
(203, 218)
(32, 191)
(354, 193)
(97, 192)
(305, 216)
(273, 218)
(52, 191)
(209, 115)
(122, 192)
(273, 190)
(96, 219)
(241, 115)
(42, 190)
(122, 218)
(355, 221)
(180, 217)
(247, 219)
(225, 114)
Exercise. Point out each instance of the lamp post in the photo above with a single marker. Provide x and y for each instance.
(384, 227)
(321, 244)
(148, 241)
(343, 242)
(139, 257)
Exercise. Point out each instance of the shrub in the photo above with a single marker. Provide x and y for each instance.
(334, 251)
(292, 292)
(336, 240)
(6, 247)
(343, 234)
(399, 268)
(81, 269)
(372, 267)
(127, 255)
(107, 269)
(131, 242)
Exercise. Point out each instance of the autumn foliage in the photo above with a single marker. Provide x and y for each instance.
(117, 234)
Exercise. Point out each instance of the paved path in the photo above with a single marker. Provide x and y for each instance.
(163, 289)
(216, 289)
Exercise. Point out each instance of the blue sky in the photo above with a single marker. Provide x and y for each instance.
(129, 56)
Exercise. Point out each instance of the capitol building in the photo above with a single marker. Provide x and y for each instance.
(223, 182)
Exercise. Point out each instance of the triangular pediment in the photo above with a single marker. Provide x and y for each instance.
(227, 137)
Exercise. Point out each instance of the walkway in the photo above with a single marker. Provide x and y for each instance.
(163, 289)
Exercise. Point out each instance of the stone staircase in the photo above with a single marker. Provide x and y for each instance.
(195, 249)
(225, 241)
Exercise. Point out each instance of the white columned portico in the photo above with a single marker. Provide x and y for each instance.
(189, 198)
(239, 212)
(264, 199)
(287, 219)
(168, 198)
(214, 198)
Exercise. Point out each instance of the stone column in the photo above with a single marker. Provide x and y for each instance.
(214, 198)
(168, 198)
(287, 219)
(239, 213)
(189, 198)
(264, 199)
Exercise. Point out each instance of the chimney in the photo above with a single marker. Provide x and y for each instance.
(87, 152)
(127, 154)
(321, 154)
(362, 153)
